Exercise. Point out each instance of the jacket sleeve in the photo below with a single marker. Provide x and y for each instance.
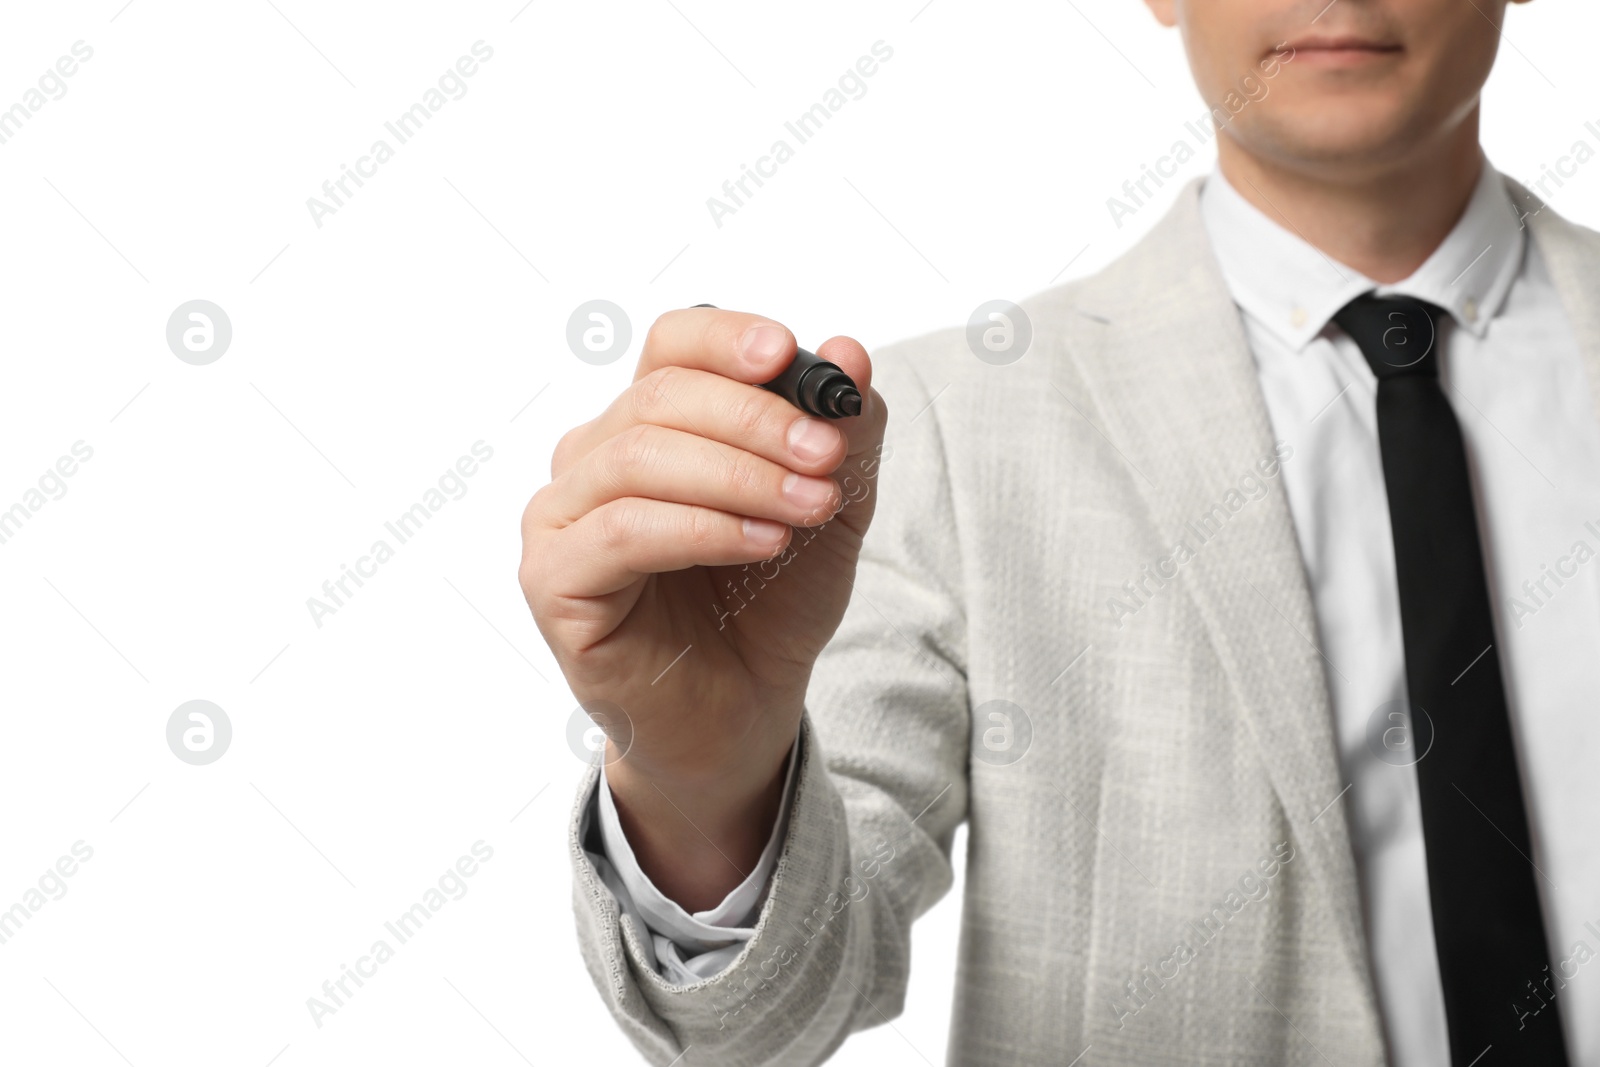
(881, 788)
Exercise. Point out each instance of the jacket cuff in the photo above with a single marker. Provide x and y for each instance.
(689, 947)
(780, 985)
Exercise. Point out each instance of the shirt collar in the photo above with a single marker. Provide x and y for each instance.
(1293, 290)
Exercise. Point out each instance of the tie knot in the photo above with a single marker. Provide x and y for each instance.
(1398, 335)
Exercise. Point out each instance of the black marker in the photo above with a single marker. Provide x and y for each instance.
(814, 385)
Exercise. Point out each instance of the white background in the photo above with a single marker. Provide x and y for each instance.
(429, 313)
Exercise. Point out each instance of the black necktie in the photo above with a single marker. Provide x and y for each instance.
(1481, 879)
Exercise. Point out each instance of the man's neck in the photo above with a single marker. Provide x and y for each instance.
(1384, 224)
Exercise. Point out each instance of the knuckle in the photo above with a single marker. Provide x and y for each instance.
(619, 523)
(745, 475)
(632, 451)
(561, 458)
(700, 526)
(534, 577)
(652, 394)
(531, 515)
(544, 512)
(748, 414)
(528, 577)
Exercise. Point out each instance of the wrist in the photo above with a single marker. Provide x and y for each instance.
(697, 838)
(711, 775)
(704, 802)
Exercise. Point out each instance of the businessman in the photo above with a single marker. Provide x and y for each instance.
(1249, 618)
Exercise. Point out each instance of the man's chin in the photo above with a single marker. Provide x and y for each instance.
(1328, 144)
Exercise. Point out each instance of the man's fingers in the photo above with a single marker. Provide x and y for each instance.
(718, 409)
(705, 402)
(653, 461)
(747, 348)
(693, 465)
(620, 541)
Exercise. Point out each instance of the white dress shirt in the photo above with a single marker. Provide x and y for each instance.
(1513, 374)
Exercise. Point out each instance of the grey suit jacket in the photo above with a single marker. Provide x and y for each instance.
(1157, 864)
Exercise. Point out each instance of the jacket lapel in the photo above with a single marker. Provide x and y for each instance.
(1159, 344)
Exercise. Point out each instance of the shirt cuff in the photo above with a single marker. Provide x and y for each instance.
(690, 947)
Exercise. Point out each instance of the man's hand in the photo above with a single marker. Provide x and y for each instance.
(670, 524)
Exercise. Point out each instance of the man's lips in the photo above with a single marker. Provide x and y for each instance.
(1338, 50)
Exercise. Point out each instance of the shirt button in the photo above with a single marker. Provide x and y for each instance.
(1297, 317)
(1469, 310)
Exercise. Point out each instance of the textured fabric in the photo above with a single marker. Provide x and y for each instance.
(1163, 874)
(1517, 381)
(1519, 392)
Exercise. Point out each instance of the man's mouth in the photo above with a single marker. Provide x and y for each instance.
(1338, 50)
